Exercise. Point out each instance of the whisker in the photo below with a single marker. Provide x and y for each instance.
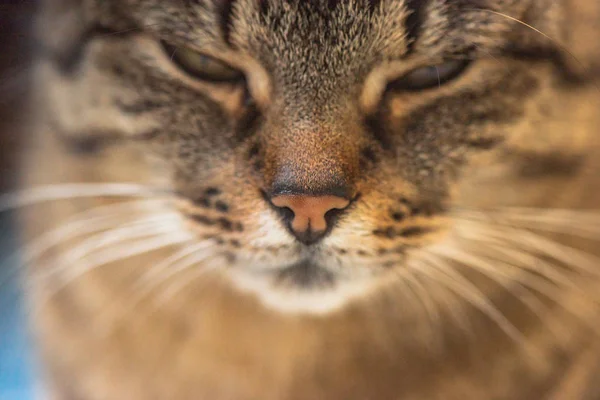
(190, 264)
(494, 272)
(469, 292)
(157, 242)
(421, 294)
(551, 289)
(135, 229)
(86, 222)
(569, 256)
(533, 28)
(171, 265)
(516, 252)
(428, 300)
(185, 263)
(169, 262)
(47, 193)
(580, 224)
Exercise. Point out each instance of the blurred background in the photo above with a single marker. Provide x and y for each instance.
(16, 381)
(15, 45)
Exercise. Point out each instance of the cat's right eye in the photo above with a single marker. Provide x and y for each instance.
(201, 66)
(431, 76)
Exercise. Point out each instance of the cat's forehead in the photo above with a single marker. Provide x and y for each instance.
(340, 28)
(330, 45)
(329, 37)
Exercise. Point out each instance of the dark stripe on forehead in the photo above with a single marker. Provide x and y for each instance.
(323, 4)
(225, 8)
(372, 4)
(414, 21)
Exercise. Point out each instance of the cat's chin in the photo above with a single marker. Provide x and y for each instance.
(302, 288)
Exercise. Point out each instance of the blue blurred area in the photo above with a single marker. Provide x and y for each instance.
(16, 372)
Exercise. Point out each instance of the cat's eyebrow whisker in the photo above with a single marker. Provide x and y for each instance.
(48, 193)
(533, 28)
(442, 272)
(520, 22)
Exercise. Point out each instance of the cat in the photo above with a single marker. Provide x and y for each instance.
(292, 199)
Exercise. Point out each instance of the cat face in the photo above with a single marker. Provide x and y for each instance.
(316, 145)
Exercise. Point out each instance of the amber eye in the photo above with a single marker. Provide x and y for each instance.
(202, 66)
(430, 76)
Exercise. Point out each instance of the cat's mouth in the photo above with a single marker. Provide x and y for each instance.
(308, 285)
(306, 274)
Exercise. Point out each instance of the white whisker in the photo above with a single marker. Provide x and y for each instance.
(468, 291)
(157, 242)
(65, 191)
(545, 35)
(421, 295)
(86, 222)
(569, 256)
(507, 248)
(168, 262)
(190, 264)
(580, 224)
(169, 267)
(108, 321)
(132, 230)
(497, 273)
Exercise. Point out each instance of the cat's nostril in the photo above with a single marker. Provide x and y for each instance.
(307, 215)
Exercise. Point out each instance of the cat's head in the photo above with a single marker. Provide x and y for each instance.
(317, 144)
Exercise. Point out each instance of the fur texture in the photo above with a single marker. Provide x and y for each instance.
(464, 268)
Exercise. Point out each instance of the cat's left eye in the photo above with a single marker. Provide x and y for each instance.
(201, 66)
(430, 76)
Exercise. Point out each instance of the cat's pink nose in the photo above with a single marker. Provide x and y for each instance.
(309, 220)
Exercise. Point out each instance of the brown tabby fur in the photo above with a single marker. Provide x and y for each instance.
(518, 129)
